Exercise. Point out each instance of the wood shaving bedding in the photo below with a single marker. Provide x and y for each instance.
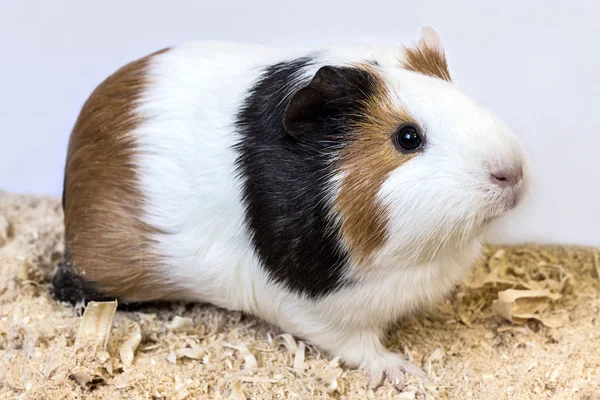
(525, 325)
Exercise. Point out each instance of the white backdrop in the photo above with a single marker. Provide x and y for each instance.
(535, 63)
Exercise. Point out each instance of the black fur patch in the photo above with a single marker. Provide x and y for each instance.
(287, 189)
(69, 287)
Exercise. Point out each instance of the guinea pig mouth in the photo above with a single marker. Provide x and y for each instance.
(512, 199)
(490, 218)
(508, 202)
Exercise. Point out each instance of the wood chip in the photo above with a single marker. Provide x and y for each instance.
(96, 323)
(330, 375)
(180, 323)
(195, 353)
(82, 376)
(181, 388)
(437, 355)
(406, 395)
(518, 306)
(499, 254)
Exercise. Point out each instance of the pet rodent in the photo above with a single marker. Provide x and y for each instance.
(329, 192)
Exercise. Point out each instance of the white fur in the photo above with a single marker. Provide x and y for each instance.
(193, 192)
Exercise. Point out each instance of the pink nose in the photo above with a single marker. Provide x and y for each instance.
(507, 177)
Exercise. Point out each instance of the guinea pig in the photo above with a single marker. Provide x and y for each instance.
(328, 192)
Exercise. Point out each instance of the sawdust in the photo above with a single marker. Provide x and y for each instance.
(525, 325)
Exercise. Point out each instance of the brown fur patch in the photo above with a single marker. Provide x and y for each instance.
(366, 162)
(427, 60)
(109, 243)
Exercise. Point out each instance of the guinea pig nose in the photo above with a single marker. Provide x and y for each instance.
(505, 177)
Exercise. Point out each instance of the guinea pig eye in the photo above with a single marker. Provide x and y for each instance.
(407, 138)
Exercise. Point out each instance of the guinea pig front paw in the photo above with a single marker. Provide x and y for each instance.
(364, 350)
(393, 367)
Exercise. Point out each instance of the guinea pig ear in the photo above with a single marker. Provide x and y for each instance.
(314, 110)
(428, 57)
(430, 38)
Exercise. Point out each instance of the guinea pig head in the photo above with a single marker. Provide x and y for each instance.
(418, 167)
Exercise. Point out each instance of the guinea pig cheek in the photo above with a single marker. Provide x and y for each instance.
(364, 165)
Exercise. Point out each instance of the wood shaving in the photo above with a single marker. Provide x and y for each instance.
(181, 386)
(82, 376)
(96, 323)
(237, 391)
(330, 375)
(518, 306)
(249, 359)
(406, 395)
(172, 357)
(179, 324)
(129, 346)
(199, 351)
(195, 353)
(288, 341)
(299, 357)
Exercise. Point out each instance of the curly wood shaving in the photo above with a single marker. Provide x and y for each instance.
(288, 341)
(249, 359)
(299, 357)
(130, 345)
(333, 386)
(237, 390)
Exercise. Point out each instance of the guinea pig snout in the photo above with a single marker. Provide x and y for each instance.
(507, 180)
(507, 177)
